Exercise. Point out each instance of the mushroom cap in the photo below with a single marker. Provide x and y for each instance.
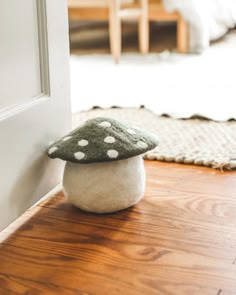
(102, 140)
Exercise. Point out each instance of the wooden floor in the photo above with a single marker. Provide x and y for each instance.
(180, 239)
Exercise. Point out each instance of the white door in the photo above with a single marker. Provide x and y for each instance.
(34, 100)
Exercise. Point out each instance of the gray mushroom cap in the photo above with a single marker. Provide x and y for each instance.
(102, 140)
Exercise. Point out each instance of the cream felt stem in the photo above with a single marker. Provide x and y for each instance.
(105, 187)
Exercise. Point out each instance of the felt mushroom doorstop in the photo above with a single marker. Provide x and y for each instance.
(104, 169)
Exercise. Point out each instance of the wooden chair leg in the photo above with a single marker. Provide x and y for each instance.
(182, 35)
(144, 27)
(115, 29)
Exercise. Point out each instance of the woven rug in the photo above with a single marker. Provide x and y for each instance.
(192, 141)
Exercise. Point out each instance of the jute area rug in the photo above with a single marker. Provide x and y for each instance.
(191, 141)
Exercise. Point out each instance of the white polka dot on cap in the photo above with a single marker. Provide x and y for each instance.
(52, 150)
(131, 131)
(112, 154)
(142, 144)
(105, 124)
(109, 139)
(79, 155)
(67, 138)
(83, 142)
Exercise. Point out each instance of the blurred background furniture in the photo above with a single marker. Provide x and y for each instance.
(156, 12)
(115, 11)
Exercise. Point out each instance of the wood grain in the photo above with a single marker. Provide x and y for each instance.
(180, 239)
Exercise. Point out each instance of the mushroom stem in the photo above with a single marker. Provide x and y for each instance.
(105, 187)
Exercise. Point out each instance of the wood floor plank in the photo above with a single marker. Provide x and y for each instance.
(192, 179)
(219, 242)
(180, 239)
(154, 228)
(48, 267)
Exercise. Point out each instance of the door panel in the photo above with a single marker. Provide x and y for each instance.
(34, 100)
(19, 38)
